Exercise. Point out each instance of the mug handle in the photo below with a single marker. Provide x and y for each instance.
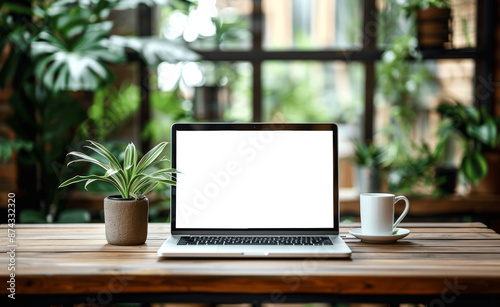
(407, 207)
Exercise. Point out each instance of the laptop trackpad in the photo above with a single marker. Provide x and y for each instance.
(251, 250)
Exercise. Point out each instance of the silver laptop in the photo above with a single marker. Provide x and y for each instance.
(255, 190)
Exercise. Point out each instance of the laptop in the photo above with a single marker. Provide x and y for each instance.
(255, 190)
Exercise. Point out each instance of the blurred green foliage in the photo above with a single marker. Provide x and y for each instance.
(61, 51)
(478, 129)
(111, 109)
(308, 92)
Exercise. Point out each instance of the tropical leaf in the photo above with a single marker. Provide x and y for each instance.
(74, 56)
(485, 133)
(474, 167)
(156, 50)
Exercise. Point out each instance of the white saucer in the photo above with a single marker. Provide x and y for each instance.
(358, 233)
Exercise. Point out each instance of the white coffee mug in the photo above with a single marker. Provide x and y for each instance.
(377, 213)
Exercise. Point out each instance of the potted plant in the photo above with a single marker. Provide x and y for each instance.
(416, 175)
(368, 160)
(433, 18)
(126, 215)
(478, 129)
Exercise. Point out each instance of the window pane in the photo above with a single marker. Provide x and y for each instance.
(392, 22)
(464, 23)
(307, 91)
(315, 24)
(239, 107)
(209, 25)
(441, 81)
(207, 91)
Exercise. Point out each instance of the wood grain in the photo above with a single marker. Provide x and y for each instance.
(75, 258)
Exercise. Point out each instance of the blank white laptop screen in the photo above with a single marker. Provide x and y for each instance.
(254, 179)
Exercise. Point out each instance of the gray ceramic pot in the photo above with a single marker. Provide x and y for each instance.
(126, 220)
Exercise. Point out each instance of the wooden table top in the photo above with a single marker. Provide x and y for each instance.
(75, 258)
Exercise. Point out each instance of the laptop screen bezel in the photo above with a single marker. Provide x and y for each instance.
(257, 127)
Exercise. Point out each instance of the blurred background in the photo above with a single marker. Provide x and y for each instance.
(417, 112)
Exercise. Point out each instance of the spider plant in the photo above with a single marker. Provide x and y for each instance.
(134, 178)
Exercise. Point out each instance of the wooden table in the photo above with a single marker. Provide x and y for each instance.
(436, 264)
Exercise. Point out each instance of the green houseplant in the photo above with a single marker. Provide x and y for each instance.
(478, 129)
(368, 160)
(126, 215)
(433, 21)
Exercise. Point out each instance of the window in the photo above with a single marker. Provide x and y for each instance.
(321, 60)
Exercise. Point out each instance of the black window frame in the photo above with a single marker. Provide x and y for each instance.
(369, 54)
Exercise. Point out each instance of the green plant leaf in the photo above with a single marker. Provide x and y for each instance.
(485, 133)
(76, 57)
(152, 50)
(150, 188)
(165, 181)
(164, 172)
(473, 115)
(143, 182)
(150, 156)
(130, 160)
(118, 176)
(5, 151)
(86, 158)
(88, 182)
(158, 161)
(474, 167)
(103, 151)
(111, 172)
(134, 181)
(92, 178)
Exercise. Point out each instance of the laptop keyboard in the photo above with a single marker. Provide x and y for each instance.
(232, 240)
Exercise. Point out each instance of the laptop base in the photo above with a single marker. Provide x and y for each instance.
(339, 249)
